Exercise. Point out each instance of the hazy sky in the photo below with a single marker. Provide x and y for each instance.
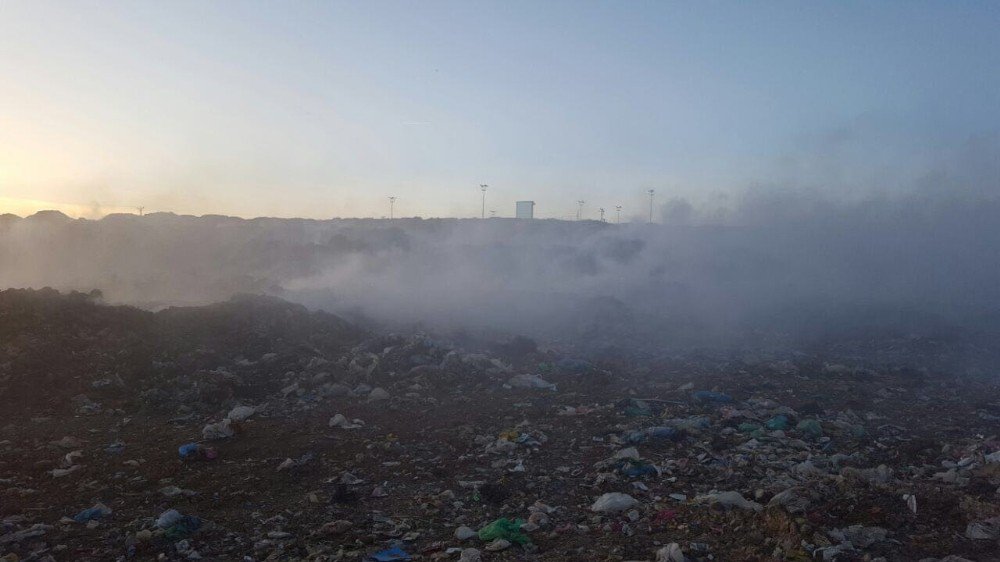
(325, 108)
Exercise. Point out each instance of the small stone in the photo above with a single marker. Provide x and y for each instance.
(983, 530)
(464, 533)
(538, 518)
(378, 394)
(342, 422)
(337, 527)
(279, 535)
(171, 491)
(471, 555)
(498, 545)
(670, 553)
(241, 413)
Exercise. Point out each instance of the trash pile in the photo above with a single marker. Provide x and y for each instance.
(258, 430)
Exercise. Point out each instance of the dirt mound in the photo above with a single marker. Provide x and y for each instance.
(56, 347)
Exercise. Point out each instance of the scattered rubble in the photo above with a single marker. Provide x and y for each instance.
(257, 430)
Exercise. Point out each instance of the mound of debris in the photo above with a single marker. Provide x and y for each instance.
(59, 347)
(256, 429)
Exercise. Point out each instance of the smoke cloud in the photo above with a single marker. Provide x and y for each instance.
(778, 260)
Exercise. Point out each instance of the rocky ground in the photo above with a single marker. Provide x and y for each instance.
(257, 430)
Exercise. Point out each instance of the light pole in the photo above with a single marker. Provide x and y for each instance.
(483, 187)
(618, 216)
(579, 209)
(392, 203)
(650, 206)
(602, 214)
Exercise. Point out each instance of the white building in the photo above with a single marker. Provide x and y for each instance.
(525, 210)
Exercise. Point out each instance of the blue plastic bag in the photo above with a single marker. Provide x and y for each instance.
(394, 554)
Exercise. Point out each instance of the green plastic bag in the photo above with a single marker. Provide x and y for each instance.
(810, 428)
(504, 528)
(778, 422)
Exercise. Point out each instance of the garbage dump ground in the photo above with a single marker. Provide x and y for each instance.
(258, 430)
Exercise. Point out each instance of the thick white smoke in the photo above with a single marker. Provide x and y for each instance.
(779, 259)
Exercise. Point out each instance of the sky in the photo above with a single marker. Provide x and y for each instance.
(325, 109)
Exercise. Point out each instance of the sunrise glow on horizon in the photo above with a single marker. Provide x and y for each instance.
(327, 109)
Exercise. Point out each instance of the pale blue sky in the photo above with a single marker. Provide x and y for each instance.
(326, 108)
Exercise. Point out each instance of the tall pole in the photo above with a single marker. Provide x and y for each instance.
(618, 216)
(579, 209)
(392, 203)
(483, 187)
(650, 206)
(602, 214)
